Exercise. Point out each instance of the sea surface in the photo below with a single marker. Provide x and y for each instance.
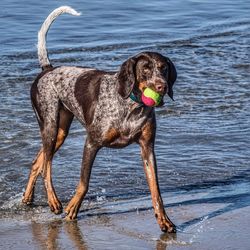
(203, 137)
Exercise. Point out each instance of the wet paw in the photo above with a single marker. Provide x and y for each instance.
(27, 199)
(166, 225)
(55, 205)
(71, 213)
(168, 228)
(70, 217)
(71, 210)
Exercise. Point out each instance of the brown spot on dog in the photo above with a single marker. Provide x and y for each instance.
(148, 131)
(86, 92)
(142, 86)
(111, 135)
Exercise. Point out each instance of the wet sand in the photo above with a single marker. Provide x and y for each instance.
(213, 225)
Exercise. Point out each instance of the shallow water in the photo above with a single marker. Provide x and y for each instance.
(202, 138)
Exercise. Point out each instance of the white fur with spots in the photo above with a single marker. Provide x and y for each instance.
(111, 111)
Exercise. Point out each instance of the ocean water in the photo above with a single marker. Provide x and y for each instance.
(202, 138)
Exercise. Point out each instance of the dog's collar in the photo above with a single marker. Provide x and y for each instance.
(134, 98)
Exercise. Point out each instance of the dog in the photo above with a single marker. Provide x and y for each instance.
(109, 105)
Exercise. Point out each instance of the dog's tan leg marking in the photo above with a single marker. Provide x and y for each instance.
(74, 205)
(150, 168)
(38, 167)
(34, 172)
(53, 201)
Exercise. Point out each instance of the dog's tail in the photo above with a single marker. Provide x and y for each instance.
(41, 46)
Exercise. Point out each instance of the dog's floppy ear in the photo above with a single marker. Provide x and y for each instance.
(127, 78)
(172, 75)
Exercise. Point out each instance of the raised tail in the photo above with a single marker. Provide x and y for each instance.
(41, 45)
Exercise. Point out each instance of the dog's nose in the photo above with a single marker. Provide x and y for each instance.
(160, 88)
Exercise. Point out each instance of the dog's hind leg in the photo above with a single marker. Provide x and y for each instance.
(34, 172)
(65, 119)
(49, 131)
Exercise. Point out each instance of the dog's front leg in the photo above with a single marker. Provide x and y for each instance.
(150, 168)
(89, 153)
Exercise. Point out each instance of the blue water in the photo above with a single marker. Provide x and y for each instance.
(202, 138)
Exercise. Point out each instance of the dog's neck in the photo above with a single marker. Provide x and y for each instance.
(134, 98)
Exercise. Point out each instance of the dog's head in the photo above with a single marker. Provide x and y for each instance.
(146, 70)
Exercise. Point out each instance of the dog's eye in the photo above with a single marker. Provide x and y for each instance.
(163, 68)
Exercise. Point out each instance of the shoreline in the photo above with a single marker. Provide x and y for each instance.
(203, 222)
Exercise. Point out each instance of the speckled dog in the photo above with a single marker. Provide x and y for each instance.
(102, 102)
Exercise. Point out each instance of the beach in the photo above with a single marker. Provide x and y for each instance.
(203, 222)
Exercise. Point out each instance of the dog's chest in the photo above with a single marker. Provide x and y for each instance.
(121, 135)
(117, 122)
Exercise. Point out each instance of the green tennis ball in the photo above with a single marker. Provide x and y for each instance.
(151, 98)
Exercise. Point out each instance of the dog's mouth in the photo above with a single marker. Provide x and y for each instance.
(151, 98)
(145, 100)
(147, 95)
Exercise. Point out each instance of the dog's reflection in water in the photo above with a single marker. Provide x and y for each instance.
(48, 235)
(165, 240)
(62, 234)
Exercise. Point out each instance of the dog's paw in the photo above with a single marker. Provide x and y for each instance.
(72, 209)
(168, 228)
(71, 213)
(55, 205)
(27, 199)
(165, 224)
(70, 216)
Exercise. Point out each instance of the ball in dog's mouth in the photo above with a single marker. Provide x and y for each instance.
(151, 98)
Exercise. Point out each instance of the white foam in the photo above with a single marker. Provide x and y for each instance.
(13, 202)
